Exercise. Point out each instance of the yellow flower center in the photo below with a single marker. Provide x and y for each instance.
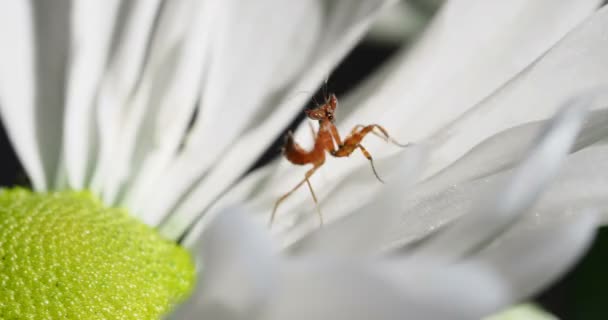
(64, 255)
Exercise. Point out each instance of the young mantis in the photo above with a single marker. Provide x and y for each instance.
(325, 138)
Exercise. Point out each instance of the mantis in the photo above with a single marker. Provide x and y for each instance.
(327, 139)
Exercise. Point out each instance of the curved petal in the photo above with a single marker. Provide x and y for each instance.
(534, 94)
(17, 95)
(31, 83)
(505, 149)
(581, 184)
(239, 268)
(250, 184)
(505, 204)
(529, 259)
(318, 289)
(469, 51)
(92, 28)
(164, 101)
(129, 49)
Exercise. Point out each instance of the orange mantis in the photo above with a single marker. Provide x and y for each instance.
(325, 138)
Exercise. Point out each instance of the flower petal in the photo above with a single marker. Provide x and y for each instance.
(384, 290)
(17, 87)
(239, 268)
(31, 83)
(92, 28)
(505, 149)
(129, 49)
(534, 94)
(346, 22)
(165, 99)
(527, 182)
(581, 184)
(469, 51)
(250, 184)
(531, 258)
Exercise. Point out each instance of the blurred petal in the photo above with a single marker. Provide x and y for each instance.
(17, 87)
(346, 22)
(239, 268)
(501, 208)
(250, 184)
(534, 94)
(92, 27)
(31, 83)
(165, 100)
(322, 290)
(505, 149)
(129, 49)
(531, 258)
(581, 184)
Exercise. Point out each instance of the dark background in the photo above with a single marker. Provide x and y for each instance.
(579, 295)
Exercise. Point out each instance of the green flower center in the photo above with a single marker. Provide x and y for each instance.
(64, 255)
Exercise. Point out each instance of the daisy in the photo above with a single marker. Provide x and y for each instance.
(162, 107)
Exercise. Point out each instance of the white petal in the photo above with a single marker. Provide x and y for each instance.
(165, 99)
(505, 149)
(250, 184)
(343, 290)
(239, 267)
(471, 49)
(581, 184)
(31, 84)
(17, 86)
(118, 84)
(531, 258)
(573, 65)
(93, 25)
(52, 31)
(278, 48)
(346, 23)
(507, 203)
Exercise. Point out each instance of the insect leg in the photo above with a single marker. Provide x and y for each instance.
(314, 198)
(371, 161)
(308, 174)
(382, 135)
(352, 142)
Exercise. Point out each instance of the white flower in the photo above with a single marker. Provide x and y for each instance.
(101, 95)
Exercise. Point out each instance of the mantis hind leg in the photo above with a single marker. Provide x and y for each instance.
(308, 174)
